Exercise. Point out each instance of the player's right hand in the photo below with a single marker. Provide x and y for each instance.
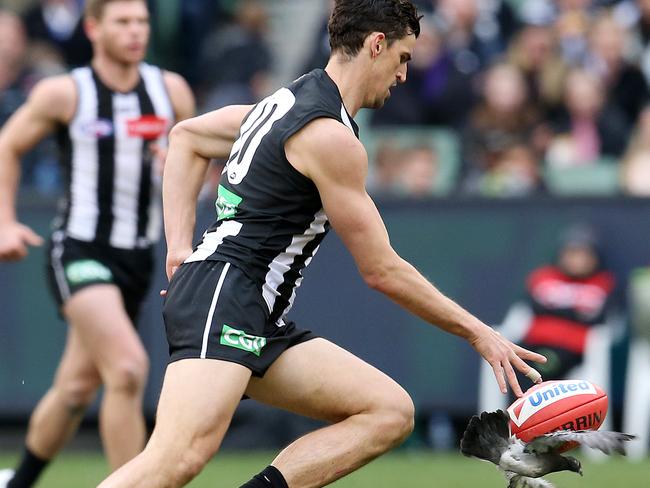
(15, 239)
(504, 356)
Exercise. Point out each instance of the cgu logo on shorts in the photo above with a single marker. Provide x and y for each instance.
(529, 405)
(87, 270)
(241, 340)
(148, 127)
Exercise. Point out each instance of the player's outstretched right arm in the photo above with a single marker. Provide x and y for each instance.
(51, 102)
(192, 143)
(328, 153)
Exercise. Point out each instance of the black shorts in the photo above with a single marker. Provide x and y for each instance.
(213, 310)
(73, 265)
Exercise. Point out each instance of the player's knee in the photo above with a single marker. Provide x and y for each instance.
(189, 465)
(128, 375)
(395, 419)
(77, 394)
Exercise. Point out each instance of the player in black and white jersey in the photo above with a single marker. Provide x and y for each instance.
(295, 167)
(106, 116)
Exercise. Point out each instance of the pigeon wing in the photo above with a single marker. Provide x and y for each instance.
(606, 441)
(486, 436)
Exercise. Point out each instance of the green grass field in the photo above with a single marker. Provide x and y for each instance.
(404, 469)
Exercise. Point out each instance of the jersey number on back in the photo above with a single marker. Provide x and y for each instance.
(257, 125)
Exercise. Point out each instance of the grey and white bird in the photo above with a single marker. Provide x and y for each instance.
(488, 437)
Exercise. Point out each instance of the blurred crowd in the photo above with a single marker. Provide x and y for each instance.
(508, 98)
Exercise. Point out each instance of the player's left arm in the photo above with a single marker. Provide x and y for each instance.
(326, 152)
(192, 143)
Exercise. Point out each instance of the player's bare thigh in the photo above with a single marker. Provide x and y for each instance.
(98, 315)
(319, 379)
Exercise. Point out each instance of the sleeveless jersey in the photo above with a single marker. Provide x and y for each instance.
(270, 218)
(113, 186)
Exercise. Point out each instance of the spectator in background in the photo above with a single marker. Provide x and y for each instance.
(17, 78)
(236, 60)
(634, 18)
(58, 23)
(438, 91)
(320, 51)
(179, 27)
(418, 171)
(624, 82)
(404, 170)
(385, 169)
(15, 81)
(535, 52)
(514, 173)
(587, 130)
(476, 33)
(504, 120)
(570, 20)
(635, 168)
(564, 301)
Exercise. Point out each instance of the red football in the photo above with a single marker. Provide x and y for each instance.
(557, 405)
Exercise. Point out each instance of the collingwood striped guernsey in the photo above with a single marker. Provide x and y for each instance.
(112, 185)
(270, 219)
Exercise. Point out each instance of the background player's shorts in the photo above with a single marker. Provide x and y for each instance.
(73, 265)
(213, 310)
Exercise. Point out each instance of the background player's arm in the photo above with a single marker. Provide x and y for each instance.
(327, 153)
(51, 102)
(193, 143)
(180, 95)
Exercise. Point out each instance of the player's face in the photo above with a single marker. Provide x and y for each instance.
(389, 69)
(123, 31)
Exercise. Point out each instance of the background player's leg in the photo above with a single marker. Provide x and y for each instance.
(97, 313)
(59, 412)
(370, 412)
(196, 405)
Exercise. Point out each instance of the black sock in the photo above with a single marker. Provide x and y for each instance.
(28, 471)
(269, 478)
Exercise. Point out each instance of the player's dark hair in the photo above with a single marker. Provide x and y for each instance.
(352, 20)
(95, 8)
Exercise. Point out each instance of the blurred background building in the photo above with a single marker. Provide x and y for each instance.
(518, 118)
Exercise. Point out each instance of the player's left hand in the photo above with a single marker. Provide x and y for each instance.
(504, 356)
(173, 262)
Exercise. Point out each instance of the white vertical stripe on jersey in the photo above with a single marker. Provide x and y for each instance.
(57, 264)
(213, 306)
(345, 118)
(212, 240)
(155, 85)
(128, 171)
(280, 321)
(283, 261)
(84, 208)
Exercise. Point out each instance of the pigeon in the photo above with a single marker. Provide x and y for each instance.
(488, 437)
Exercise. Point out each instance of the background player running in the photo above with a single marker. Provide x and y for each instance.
(106, 116)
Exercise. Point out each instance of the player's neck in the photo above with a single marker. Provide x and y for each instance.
(350, 82)
(120, 77)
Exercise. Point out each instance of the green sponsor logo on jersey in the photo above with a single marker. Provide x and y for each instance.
(227, 203)
(87, 270)
(241, 340)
